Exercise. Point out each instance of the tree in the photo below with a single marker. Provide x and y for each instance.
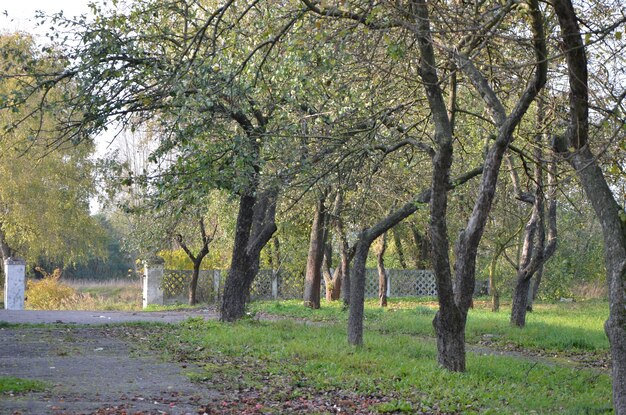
(575, 147)
(317, 243)
(197, 258)
(45, 186)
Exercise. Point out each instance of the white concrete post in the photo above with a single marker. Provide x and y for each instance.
(153, 271)
(216, 284)
(388, 284)
(14, 282)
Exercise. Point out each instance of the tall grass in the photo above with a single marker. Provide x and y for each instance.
(60, 294)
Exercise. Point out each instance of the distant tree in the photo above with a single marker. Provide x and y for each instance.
(45, 185)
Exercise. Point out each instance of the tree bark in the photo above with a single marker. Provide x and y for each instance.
(422, 245)
(357, 290)
(255, 227)
(332, 278)
(598, 192)
(397, 241)
(313, 277)
(383, 279)
(493, 287)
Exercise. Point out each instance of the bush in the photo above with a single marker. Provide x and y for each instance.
(48, 293)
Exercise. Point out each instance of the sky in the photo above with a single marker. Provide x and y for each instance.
(18, 15)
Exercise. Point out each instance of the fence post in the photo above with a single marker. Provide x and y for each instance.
(14, 280)
(275, 284)
(388, 283)
(153, 270)
(216, 284)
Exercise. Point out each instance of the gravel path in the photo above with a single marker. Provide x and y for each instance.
(94, 369)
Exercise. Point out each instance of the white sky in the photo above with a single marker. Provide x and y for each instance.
(20, 14)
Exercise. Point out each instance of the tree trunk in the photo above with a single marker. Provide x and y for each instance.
(520, 302)
(255, 227)
(533, 287)
(238, 281)
(357, 291)
(361, 249)
(397, 241)
(346, 257)
(196, 259)
(449, 326)
(530, 260)
(535, 253)
(193, 284)
(313, 277)
(422, 245)
(332, 278)
(598, 192)
(382, 273)
(493, 288)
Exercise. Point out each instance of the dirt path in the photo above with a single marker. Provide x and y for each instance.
(93, 370)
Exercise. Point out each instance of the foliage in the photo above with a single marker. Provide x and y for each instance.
(580, 257)
(49, 293)
(45, 184)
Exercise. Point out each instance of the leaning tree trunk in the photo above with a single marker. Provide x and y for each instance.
(598, 192)
(313, 277)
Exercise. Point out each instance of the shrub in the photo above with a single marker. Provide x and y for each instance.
(48, 293)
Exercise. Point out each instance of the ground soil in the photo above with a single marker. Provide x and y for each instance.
(94, 369)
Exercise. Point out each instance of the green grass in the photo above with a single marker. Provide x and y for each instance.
(17, 385)
(550, 328)
(280, 362)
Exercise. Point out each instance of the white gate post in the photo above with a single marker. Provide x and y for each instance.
(153, 270)
(14, 281)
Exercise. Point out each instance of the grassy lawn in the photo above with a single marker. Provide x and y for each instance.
(17, 385)
(306, 366)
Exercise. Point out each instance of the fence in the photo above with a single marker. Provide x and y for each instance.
(271, 284)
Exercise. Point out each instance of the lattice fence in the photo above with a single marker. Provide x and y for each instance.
(280, 285)
(175, 286)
